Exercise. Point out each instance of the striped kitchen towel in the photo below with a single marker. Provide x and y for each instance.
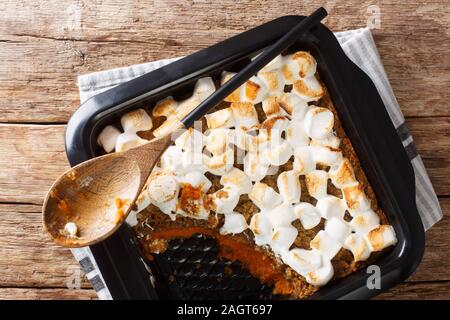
(360, 47)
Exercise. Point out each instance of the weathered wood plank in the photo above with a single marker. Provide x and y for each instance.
(69, 38)
(418, 291)
(46, 294)
(28, 258)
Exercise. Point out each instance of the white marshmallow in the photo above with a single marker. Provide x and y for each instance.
(128, 140)
(218, 141)
(330, 207)
(136, 120)
(325, 244)
(163, 192)
(326, 155)
(304, 261)
(289, 186)
(264, 197)
(330, 140)
(303, 160)
(322, 275)
(296, 135)
(358, 245)
(282, 238)
(280, 216)
(317, 182)
(338, 229)
(191, 139)
(225, 199)
(237, 179)
(308, 215)
(381, 237)
(255, 166)
(364, 222)
(219, 164)
(234, 223)
(279, 154)
(318, 122)
(261, 228)
(196, 179)
(293, 105)
(275, 64)
(108, 138)
(172, 159)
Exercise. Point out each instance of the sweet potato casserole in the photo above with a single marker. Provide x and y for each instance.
(269, 173)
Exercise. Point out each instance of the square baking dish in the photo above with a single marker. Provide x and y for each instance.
(362, 114)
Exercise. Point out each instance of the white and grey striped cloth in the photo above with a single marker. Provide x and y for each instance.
(360, 47)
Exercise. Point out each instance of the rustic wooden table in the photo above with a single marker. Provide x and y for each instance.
(45, 45)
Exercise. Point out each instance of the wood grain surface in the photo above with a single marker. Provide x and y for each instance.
(45, 45)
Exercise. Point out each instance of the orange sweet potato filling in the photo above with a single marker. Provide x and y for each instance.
(257, 263)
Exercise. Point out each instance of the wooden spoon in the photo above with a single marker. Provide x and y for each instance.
(97, 195)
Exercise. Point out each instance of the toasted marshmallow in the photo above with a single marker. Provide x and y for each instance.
(303, 160)
(170, 125)
(275, 64)
(128, 140)
(165, 108)
(282, 238)
(289, 186)
(70, 230)
(296, 135)
(279, 154)
(304, 261)
(273, 127)
(204, 87)
(191, 139)
(235, 96)
(247, 140)
(253, 91)
(308, 215)
(225, 199)
(325, 244)
(163, 192)
(355, 198)
(255, 166)
(136, 120)
(280, 216)
(327, 155)
(338, 229)
(330, 141)
(245, 115)
(273, 80)
(318, 122)
(237, 179)
(358, 245)
(306, 63)
(220, 119)
(108, 138)
(196, 179)
(264, 197)
(172, 159)
(293, 105)
(290, 70)
(341, 173)
(308, 89)
(272, 107)
(322, 275)
(219, 164)
(364, 222)
(317, 182)
(234, 223)
(261, 228)
(218, 141)
(330, 207)
(381, 237)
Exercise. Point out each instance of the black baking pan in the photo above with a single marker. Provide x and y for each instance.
(363, 117)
